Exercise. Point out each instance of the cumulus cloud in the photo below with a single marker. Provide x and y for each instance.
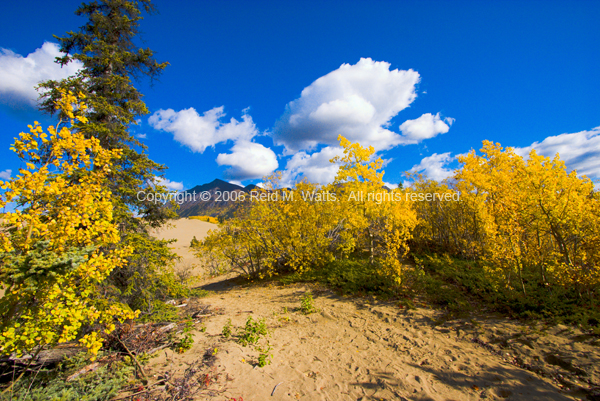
(425, 127)
(434, 166)
(248, 160)
(5, 175)
(315, 167)
(198, 132)
(171, 185)
(19, 75)
(357, 101)
(580, 151)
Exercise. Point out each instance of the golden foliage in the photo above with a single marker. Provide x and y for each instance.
(312, 225)
(59, 244)
(521, 216)
(384, 227)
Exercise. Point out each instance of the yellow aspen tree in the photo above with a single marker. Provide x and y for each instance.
(534, 217)
(497, 180)
(356, 181)
(565, 209)
(60, 242)
(378, 221)
(312, 225)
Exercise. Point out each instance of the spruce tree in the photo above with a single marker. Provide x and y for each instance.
(111, 60)
(106, 47)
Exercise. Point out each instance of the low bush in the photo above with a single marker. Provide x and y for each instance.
(457, 285)
(348, 276)
(101, 384)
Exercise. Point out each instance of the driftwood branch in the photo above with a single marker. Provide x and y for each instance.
(198, 316)
(45, 357)
(83, 371)
(137, 363)
(275, 388)
(163, 381)
(153, 350)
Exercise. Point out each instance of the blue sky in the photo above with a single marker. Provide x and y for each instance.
(421, 81)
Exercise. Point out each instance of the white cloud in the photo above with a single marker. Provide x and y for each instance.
(434, 166)
(580, 151)
(140, 136)
(171, 185)
(248, 160)
(19, 75)
(357, 101)
(199, 132)
(315, 167)
(425, 127)
(5, 175)
(384, 162)
(390, 185)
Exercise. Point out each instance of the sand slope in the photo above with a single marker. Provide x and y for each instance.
(183, 230)
(360, 349)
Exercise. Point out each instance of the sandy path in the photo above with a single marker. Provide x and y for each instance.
(355, 349)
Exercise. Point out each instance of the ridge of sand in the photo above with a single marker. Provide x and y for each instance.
(360, 349)
(183, 230)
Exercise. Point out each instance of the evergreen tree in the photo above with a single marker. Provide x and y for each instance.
(106, 47)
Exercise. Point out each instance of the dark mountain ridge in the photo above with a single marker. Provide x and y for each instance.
(216, 184)
(216, 198)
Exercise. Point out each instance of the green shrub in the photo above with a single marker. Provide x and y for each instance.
(187, 339)
(101, 384)
(252, 331)
(349, 276)
(307, 304)
(227, 329)
(264, 355)
(455, 284)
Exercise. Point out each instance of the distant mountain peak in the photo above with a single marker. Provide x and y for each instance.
(217, 202)
(216, 184)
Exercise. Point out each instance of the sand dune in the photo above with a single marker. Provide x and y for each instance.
(364, 349)
(183, 230)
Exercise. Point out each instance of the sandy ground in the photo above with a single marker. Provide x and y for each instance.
(364, 349)
(183, 230)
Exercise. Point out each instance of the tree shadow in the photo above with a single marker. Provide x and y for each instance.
(497, 382)
(224, 284)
